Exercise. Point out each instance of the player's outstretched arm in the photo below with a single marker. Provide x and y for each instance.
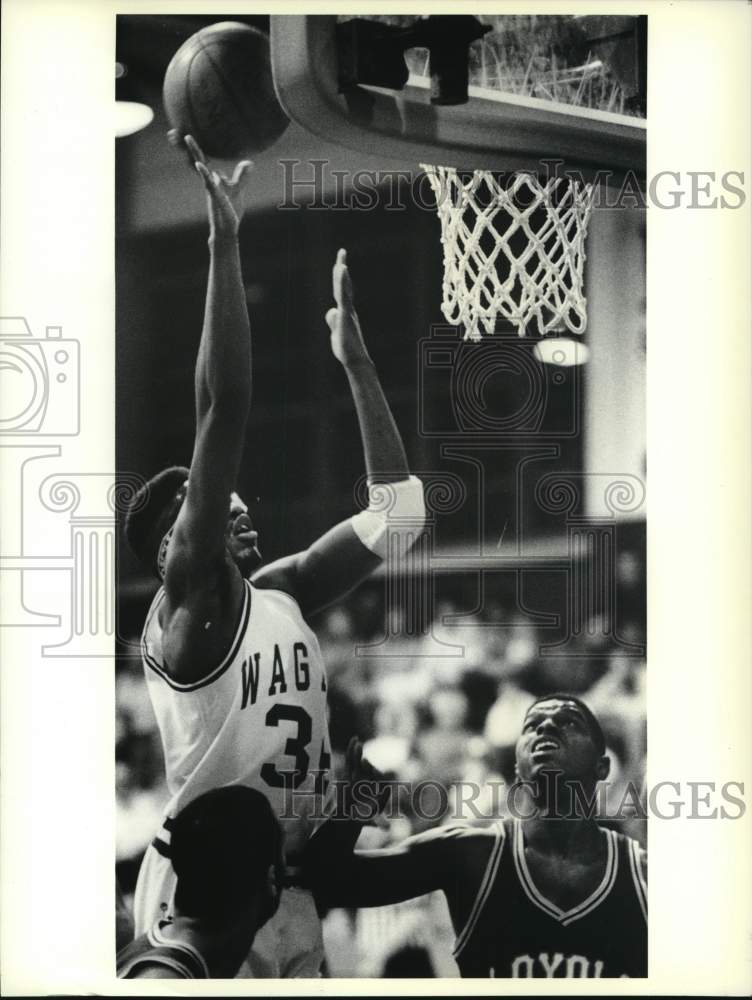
(385, 458)
(352, 550)
(197, 568)
(360, 796)
(368, 878)
(389, 875)
(453, 859)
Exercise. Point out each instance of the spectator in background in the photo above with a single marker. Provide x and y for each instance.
(395, 727)
(390, 698)
(123, 920)
(619, 699)
(503, 724)
(481, 690)
(140, 791)
(442, 745)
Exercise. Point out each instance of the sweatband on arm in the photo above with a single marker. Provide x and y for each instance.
(396, 510)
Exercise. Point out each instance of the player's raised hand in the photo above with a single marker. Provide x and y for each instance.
(347, 342)
(341, 282)
(225, 196)
(358, 769)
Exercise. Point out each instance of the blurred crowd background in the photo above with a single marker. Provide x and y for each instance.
(438, 694)
(452, 718)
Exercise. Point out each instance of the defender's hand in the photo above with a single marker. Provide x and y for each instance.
(333, 842)
(359, 769)
(347, 342)
(225, 196)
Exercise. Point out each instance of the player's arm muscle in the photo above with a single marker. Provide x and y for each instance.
(322, 573)
(223, 394)
(390, 875)
(201, 583)
(196, 553)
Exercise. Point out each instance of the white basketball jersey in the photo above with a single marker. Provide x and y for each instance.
(258, 719)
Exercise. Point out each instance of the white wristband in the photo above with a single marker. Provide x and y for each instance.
(397, 507)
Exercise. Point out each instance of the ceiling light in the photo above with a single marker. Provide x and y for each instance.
(130, 117)
(561, 351)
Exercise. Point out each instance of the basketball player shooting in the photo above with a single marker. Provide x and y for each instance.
(550, 894)
(234, 672)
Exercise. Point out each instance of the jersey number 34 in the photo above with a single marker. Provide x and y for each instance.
(297, 748)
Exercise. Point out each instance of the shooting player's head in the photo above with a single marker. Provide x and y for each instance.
(152, 513)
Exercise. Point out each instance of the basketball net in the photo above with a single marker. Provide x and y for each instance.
(514, 247)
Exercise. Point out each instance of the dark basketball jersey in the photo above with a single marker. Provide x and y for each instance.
(153, 948)
(514, 931)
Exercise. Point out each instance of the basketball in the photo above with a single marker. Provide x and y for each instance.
(219, 89)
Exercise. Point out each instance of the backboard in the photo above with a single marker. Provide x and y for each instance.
(542, 88)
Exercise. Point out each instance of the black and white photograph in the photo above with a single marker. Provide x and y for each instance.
(380, 396)
(401, 589)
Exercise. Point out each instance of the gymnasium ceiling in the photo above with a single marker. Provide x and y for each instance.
(156, 188)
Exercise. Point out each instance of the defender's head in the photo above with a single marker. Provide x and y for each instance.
(561, 734)
(154, 509)
(226, 849)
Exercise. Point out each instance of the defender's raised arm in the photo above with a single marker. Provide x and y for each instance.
(352, 550)
(385, 458)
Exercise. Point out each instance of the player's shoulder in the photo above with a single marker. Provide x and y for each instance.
(278, 575)
(287, 576)
(470, 832)
(634, 849)
(152, 956)
(154, 970)
(641, 856)
(461, 839)
(273, 588)
(276, 586)
(463, 853)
